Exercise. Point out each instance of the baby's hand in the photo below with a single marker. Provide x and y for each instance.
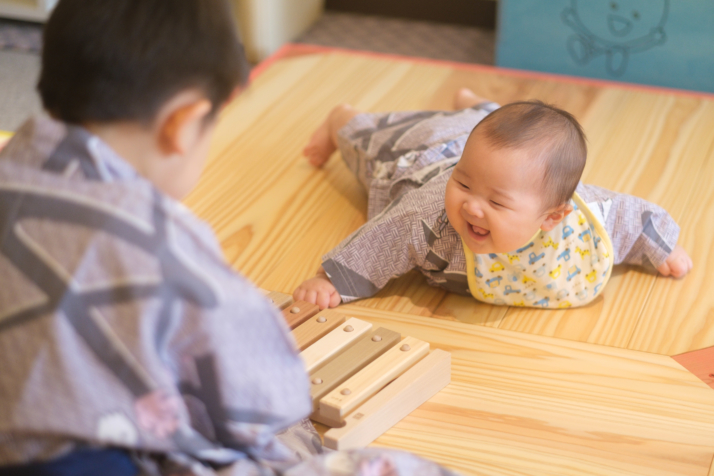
(318, 290)
(677, 264)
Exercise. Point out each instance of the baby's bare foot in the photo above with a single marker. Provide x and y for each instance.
(324, 140)
(465, 98)
(320, 147)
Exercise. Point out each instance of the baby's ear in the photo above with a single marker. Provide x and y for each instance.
(555, 216)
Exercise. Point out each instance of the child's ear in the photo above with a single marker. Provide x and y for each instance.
(181, 122)
(555, 216)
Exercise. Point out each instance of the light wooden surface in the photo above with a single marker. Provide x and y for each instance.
(520, 404)
(275, 216)
(579, 391)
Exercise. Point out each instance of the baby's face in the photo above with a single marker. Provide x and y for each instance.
(494, 198)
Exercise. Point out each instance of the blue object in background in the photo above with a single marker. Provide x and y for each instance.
(666, 43)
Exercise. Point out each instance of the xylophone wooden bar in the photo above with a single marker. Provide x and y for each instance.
(390, 365)
(394, 402)
(299, 312)
(363, 386)
(316, 327)
(333, 343)
(280, 300)
(349, 362)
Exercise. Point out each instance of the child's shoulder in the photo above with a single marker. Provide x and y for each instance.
(73, 198)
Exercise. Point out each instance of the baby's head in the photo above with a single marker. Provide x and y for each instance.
(147, 76)
(519, 169)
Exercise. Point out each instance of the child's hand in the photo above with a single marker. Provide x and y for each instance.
(677, 264)
(318, 290)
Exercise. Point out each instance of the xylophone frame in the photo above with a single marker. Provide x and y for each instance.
(364, 380)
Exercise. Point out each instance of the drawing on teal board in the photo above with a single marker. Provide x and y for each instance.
(658, 42)
(614, 29)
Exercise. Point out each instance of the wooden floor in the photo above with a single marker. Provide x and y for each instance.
(534, 392)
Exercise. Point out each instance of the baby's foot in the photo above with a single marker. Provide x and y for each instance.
(465, 98)
(320, 147)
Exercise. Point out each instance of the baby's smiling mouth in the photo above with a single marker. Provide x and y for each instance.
(478, 231)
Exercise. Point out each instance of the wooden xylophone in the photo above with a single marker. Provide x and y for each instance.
(364, 380)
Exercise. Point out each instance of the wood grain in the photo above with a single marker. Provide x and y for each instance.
(679, 314)
(526, 404)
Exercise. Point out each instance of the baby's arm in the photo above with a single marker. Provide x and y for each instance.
(641, 232)
(382, 249)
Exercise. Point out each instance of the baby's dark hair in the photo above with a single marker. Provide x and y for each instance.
(554, 133)
(121, 60)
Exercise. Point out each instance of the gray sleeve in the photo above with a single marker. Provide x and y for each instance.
(381, 249)
(641, 232)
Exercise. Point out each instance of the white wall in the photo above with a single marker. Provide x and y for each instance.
(32, 10)
(265, 25)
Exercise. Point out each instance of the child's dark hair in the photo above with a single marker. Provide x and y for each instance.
(121, 60)
(556, 137)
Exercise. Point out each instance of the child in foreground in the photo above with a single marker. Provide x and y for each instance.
(127, 344)
(487, 201)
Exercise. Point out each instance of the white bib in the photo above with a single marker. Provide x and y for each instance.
(567, 266)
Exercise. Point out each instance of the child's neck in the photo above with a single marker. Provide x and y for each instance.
(132, 142)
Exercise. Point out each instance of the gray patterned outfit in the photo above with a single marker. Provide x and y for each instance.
(404, 160)
(122, 325)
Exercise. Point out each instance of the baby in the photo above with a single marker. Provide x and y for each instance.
(487, 201)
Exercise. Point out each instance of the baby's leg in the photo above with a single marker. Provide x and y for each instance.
(324, 140)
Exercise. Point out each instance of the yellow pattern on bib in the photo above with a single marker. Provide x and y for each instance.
(567, 266)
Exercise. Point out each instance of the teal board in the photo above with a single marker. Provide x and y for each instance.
(666, 43)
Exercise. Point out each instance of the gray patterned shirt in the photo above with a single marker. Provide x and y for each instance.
(120, 322)
(121, 325)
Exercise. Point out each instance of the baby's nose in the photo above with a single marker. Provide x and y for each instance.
(473, 208)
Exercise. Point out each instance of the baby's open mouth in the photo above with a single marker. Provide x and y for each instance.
(480, 231)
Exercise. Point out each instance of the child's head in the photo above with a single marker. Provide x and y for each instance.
(157, 66)
(519, 169)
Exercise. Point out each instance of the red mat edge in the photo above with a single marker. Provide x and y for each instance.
(700, 363)
(297, 49)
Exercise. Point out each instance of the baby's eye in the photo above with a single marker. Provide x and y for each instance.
(462, 185)
(496, 204)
